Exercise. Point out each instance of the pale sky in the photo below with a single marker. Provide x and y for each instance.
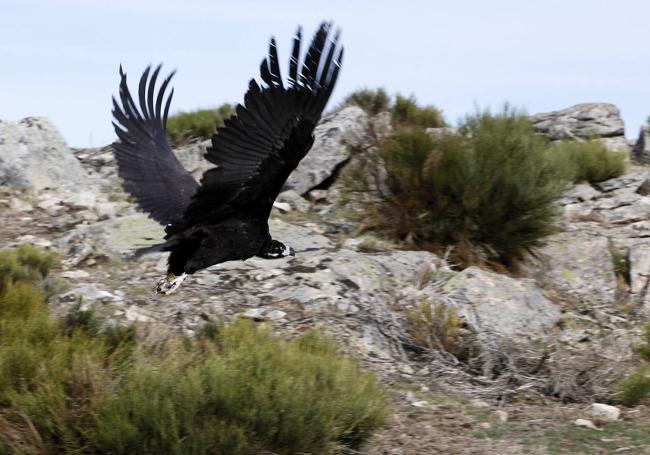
(60, 58)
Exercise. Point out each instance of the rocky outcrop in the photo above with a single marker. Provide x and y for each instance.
(582, 121)
(501, 307)
(578, 267)
(336, 136)
(34, 156)
(361, 289)
(641, 151)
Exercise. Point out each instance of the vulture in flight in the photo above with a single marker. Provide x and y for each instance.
(225, 216)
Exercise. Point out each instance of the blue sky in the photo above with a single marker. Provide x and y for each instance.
(59, 58)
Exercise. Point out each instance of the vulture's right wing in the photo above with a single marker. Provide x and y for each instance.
(257, 149)
(145, 161)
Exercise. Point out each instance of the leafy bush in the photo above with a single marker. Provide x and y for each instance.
(371, 101)
(405, 111)
(80, 386)
(436, 327)
(199, 124)
(25, 264)
(488, 190)
(590, 161)
(636, 387)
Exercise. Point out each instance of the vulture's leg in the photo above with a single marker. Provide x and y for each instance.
(170, 283)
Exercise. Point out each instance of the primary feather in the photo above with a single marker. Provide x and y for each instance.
(225, 217)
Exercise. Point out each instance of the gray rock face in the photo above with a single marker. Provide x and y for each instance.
(191, 157)
(497, 305)
(641, 151)
(639, 268)
(582, 121)
(578, 267)
(114, 237)
(33, 156)
(335, 137)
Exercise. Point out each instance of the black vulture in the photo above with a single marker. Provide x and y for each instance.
(225, 217)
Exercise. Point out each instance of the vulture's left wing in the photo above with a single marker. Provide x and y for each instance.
(146, 163)
(257, 149)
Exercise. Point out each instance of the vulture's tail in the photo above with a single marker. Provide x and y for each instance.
(157, 248)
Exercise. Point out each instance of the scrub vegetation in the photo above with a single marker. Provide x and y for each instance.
(488, 190)
(404, 110)
(199, 124)
(81, 385)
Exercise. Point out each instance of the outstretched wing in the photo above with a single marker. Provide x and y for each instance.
(272, 131)
(146, 163)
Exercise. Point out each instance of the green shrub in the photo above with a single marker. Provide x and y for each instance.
(404, 111)
(371, 101)
(25, 263)
(199, 124)
(435, 326)
(636, 387)
(488, 190)
(82, 386)
(589, 161)
(246, 393)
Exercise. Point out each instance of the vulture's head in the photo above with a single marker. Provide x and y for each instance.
(275, 250)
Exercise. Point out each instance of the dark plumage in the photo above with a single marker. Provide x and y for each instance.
(225, 217)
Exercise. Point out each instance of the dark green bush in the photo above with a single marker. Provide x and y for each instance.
(371, 101)
(636, 387)
(25, 263)
(199, 124)
(405, 111)
(82, 386)
(488, 190)
(590, 161)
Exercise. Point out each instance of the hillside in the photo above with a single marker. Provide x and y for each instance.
(529, 349)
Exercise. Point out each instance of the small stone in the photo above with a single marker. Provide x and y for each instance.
(420, 404)
(319, 196)
(584, 423)
(133, 313)
(89, 293)
(479, 403)
(19, 205)
(36, 241)
(50, 206)
(282, 206)
(500, 415)
(275, 315)
(485, 425)
(605, 412)
(294, 200)
(105, 210)
(75, 274)
(256, 314)
(82, 200)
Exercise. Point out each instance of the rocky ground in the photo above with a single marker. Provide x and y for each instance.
(553, 340)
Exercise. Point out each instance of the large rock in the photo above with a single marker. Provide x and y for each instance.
(641, 151)
(112, 238)
(191, 157)
(578, 267)
(33, 156)
(499, 306)
(335, 137)
(582, 121)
